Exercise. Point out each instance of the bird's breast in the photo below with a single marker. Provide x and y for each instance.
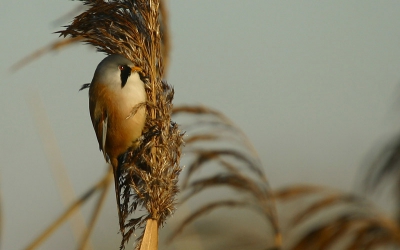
(126, 118)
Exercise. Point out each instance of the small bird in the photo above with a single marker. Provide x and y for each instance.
(114, 95)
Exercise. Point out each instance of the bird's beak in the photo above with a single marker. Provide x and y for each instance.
(136, 69)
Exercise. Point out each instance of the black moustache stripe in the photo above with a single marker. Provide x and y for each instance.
(125, 73)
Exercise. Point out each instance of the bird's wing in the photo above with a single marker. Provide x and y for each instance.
(85, 86)
(103, 137)
(99, 116)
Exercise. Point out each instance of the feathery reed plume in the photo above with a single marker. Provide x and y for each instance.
(348, 220)
(62, 43)
(149, 174)
(215, 141)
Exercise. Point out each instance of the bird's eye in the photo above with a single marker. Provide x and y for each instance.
(121, 67)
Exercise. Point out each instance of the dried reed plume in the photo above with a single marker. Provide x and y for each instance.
(213, 140)
(148, 177)
(334, 220)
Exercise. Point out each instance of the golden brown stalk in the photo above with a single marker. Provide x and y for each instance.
(150, 237)
(58, 167)
(57, 45)
(69, 211)
(85, 239)
(165, 38)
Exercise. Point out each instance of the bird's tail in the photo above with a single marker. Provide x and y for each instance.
(115, 166)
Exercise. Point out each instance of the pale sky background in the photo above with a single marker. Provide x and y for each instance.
(314, 84)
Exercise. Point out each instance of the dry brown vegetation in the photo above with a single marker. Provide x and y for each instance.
(298, 217)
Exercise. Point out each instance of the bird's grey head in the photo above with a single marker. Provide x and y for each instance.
(114, 70)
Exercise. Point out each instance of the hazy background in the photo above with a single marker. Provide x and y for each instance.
(315, 86)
